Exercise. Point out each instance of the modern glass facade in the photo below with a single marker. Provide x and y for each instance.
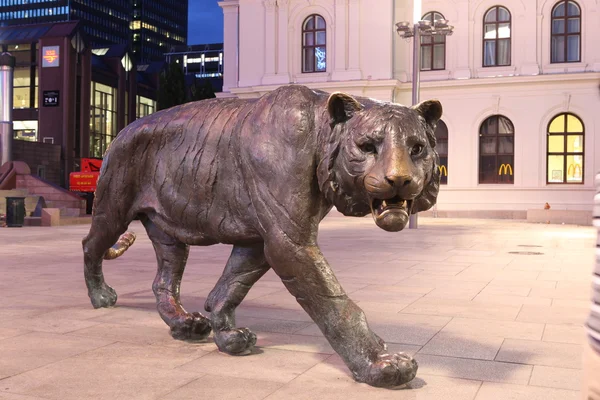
(103, 128)
(151, 27)
(157, 27)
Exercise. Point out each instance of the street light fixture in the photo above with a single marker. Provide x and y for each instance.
(418, 29)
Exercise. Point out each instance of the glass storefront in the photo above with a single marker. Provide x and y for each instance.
(145, 106)
(25, 130)
(24, 96)
(103, 123)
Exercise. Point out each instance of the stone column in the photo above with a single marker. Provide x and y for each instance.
(338, 59)
(230, 43)
(282, 68)
(276, 51)
(462, 41)
(530, 63)
(354, 39)
(592, 45)
(270, 39)
(7, 66)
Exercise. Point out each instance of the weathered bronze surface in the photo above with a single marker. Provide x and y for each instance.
(261, 174)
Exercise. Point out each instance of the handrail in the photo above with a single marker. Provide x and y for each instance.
(8, 176)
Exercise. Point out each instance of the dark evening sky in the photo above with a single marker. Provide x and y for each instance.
(205, 22)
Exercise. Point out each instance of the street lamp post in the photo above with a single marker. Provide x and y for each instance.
(419, 29)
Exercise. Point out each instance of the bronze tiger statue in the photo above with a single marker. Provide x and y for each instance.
(261, 174)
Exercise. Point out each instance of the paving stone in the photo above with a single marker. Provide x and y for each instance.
(10, 332)
(553, 315)
(51, 324)
(497, 391)
(76, 379)
(124, 333)
(511, 300)
(13, 396)
(559, 378)
(29, 351)
(331, 380)
(399, 328)
(493, 328)
(565, 334)
(476, 347)
(490, 371)
(269, 364)
(541, 353)
(461, 308)
(574, 293)
(224, 388)
(146, 355)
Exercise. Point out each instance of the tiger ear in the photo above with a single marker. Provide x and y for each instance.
(430, 110)
(342, 107)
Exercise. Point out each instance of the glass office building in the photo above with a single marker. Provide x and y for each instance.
(70, 96)
(157, 27)
(150, 27)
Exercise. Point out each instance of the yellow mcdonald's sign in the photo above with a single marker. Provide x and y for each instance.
(574, 170)
(443, 170)
(507, 168)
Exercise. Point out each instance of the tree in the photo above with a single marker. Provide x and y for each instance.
(171, 90)
(201, 89)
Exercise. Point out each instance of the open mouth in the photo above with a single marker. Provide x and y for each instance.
(391, 214)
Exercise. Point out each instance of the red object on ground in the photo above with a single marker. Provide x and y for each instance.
(85, 181)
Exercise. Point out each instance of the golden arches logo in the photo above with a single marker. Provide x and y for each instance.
(507, 169)
(574, 170)
(443, 170)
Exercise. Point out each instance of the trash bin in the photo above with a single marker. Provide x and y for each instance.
(15, 211)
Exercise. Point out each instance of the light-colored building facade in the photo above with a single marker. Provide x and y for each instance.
(518, 80)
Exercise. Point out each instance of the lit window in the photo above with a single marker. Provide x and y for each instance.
(496, 37)
(565, 149)
(314, 44)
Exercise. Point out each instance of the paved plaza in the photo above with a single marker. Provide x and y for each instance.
(484, 321)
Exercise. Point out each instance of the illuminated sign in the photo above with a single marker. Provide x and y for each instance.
(574, 171)
(507, 168)
(51, 98)
(443, 170)
(50, 56)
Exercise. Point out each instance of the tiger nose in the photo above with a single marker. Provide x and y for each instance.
(398, 180)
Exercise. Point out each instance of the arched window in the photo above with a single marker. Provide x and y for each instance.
(566, 32)
(565, 149)
(441, 136)
(496, 150)
(314, 44)
(496, 37)
(433, 48)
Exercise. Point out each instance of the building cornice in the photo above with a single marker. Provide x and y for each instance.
(591, 77)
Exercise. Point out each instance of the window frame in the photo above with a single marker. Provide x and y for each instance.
(497, 154)
(432, 44)
(439, 139)
(314, 31)
(496, 39)
(565, 34)
(565, 153)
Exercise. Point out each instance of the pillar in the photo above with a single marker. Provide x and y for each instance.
(7, 66)
(230, 43)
